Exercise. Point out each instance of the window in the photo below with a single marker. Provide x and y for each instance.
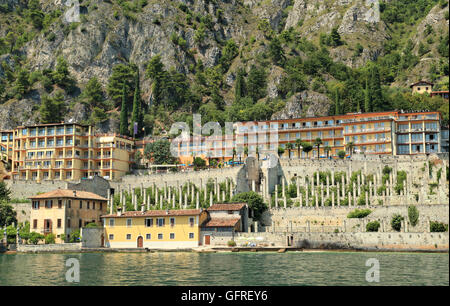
(191, 221)
(34, 223)
(59, 203)
(35, 204)
(80, 223)
(93, 205)
(111, 236)
(70, 203)
(172, 222)
(160, 222)
(87, 205)
(160, 236)
(129, 222)
(128, 236)
(48, 203)
(59, 223)
(81, 204)
(148, 222)
(172, 235)
(191, 235)
(148, 236)
(111, 222)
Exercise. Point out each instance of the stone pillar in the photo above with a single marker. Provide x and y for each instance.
(173, 200)
(307, 195)
(210, 199)
(298, 187)
(349, 199)
(161, 201)
(111, 206)
(332, 177)
(317, 201)
(276, 196)
(332, 200)
(328, 186)
(321, 195)
(301, 199)
(253, 186)
(283, 187)
(367, 199)
(285, 202)
(359, 185)
(197, 202)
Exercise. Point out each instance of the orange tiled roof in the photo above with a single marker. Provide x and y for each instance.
(226, 206)
(67, 193)
(156, 213)
(222, 222)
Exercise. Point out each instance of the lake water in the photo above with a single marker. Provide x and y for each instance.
(271, 269)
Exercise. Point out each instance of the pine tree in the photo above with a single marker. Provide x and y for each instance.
(136, 115)
(124, 113)
(367, 98)
(337, 109)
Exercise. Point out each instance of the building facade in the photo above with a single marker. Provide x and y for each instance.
(421, 87)
(384, 133)
(64, 211)
(67, 151)
(154, 229)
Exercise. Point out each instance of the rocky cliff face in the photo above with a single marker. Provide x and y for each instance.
(105, 37)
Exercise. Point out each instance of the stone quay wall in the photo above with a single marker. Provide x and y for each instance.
(328, 219)
(38, 248)
(361, 241)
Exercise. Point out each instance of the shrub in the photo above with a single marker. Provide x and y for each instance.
(413, 215)
(231, 243)
(373, 226)
(92, 224)
(341, 154)
(35, 238)
(50, 238)
(74, 236)
(359, 213)
(396, 222)
(436, 227)
(255, 202)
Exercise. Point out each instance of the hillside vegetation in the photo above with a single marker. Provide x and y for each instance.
(158, 62)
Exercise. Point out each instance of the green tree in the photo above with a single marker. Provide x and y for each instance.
(289, 146)
(254, 201)
(61, 75)
(337, 108)
(396, 222)
(52, 110)
(5, 192)
(136, 115)
(335, 37)
(122, 74)
(256, 83)
(373, 226)
(92, 94)
(50, 238)
(229, 52)
(318, 143)
(413, 215)
(22, 84)
(375, 91)
(7, 214)
(276, 51)
(123, 129)
(327, 149)
(240, 87)
(34, 238)
(367, 100)
(307, 147)
(160, 152)
(280, 151)
(298, 144)
(341, 154)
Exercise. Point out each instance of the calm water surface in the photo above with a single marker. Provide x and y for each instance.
(294, 268)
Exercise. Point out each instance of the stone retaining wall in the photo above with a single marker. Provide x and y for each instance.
(62, 247)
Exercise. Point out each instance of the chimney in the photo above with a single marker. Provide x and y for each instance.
(74, 193)
(167, 211)
(119, 211)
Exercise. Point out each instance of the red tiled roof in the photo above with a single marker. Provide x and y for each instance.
(222, 222)
(226, 206)
(416, 83)
(156, 213)
(67, 193)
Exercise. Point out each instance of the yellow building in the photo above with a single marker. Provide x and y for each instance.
(6, 145)
(155, 229)
(64, 211)
(67, 151)
(422, 87)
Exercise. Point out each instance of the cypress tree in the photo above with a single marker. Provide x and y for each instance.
(239, 90)
(337, 109)
(124, 113)
(136, 113)
(375, 89)
(367, 98)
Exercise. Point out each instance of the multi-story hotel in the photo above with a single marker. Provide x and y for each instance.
(65, 151)
(63, 211)
(393, 133)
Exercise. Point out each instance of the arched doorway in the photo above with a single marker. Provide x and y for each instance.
(140, 242)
